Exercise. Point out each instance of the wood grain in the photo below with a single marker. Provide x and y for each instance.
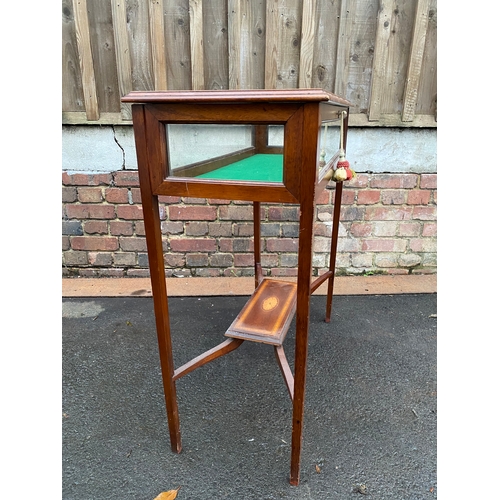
(122, 51)
(157, 32)
(196, 38)
(82, 31)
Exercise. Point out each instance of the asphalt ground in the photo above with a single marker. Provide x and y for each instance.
(370, 424)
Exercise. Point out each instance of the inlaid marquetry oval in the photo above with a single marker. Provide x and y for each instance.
(270, 303)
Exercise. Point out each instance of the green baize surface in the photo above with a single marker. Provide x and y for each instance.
(256, 168)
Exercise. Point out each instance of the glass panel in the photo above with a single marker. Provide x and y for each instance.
(329, 141)
(276, 135)
(220, 151)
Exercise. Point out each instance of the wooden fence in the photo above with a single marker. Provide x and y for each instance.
(379, 54)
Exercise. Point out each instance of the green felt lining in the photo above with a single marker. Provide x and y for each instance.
(256, 168)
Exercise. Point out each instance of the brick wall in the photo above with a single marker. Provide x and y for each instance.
(388, 225)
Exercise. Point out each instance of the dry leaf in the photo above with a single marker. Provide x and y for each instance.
(168, 495)
(318, 470)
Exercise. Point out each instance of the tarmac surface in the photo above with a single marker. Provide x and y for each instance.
(370, 421)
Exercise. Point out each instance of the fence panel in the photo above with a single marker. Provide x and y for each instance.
(379, 54)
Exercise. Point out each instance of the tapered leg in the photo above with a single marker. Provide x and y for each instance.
(154, 243)
(256, 242)
(333, 249)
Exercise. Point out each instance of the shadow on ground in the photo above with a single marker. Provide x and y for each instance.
(370, 418)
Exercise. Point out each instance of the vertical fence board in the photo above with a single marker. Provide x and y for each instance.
(122, 50)
(361, 55)
(399, 49)
(289, 31)
(416, 58)
(83, 41)
(307, 43)
(215, 35)
(271, 64)
(103, 53)
(177, 44)
(156, 25)
(196, 44)
(236, 45)
(72, 91)
(427, 88)
(381, 56)
(140, 45)
(246, 30)
(325, 50)
(345, 32)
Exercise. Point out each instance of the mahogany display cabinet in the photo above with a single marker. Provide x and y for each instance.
(280, 146)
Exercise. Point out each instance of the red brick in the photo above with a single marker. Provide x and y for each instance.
(352, 213)
(269, 260)
(86, 179)
(129, 212)
(136, 195)
(219, 229)
(383, 245)
(387, 213)
(100, 259)
(419, 197)
(234, 213)
(116, 195)
(361, 229)
(168, 227)
(169, 199)
(348, 196)
(90, 211)
(93, 243)
(174, 259)
(393, 196)
(243, 259)
(282, 245)
(89, 195)
(75, 258)
(133, 244)
(197, 260)
(283, 213)
(221, 260)
(65, 243)
(394, 181)
(322, 229)
(194, 201)
(423, 245)
(119, 228)
(193, 245)
(409, 228)
(195, 228)
(139, 228)
(429, 229)
(284, 271)
(68, 194)
(428, 181)
(215, 201)
(96, 227)
(368, 196)
(324, 197)
(192, 213)
(243, 229)
(126, 178)
(360, 181)
(424, 213)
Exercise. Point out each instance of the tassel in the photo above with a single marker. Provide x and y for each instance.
(343, 171)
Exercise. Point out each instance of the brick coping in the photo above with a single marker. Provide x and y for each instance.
(192, 287)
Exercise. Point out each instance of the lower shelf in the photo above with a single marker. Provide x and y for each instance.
(268, 313)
